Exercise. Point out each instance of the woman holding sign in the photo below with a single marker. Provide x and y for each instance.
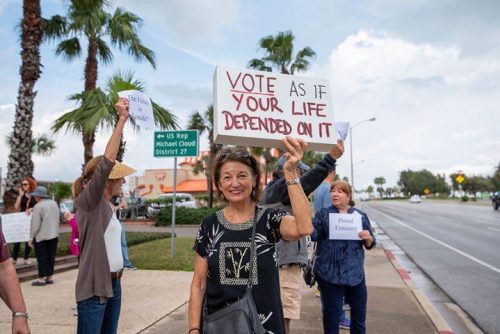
(235, 256)
(98, 287)
(341, 232)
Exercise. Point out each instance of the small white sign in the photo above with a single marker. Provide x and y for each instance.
(345, 226)
(342, 129)
(140, 108)
(16, 227)
(254, 108)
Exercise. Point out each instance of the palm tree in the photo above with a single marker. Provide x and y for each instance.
(379, 181)
(90, 21)
(205, 123)
(278, 55)
(41, 145)
(96, 109)
(20, 164)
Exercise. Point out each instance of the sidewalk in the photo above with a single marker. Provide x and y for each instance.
(156, 302)
(392, 306)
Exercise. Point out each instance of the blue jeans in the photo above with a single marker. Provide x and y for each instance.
(332, 296)
(95, 318)
(126, 261)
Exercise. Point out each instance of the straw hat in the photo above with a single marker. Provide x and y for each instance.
(120, 170)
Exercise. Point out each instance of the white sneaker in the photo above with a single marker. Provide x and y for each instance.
(27, 261)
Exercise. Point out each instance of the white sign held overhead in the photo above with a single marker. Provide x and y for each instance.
(342, 129)
(254, 108)
(16, 227)
(345, 226)
(140, 108)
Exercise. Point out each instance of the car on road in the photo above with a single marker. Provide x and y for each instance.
(495, 200)
(181, 199)
(415, 199)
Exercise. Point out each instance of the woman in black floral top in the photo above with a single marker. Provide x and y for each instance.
(222, 246)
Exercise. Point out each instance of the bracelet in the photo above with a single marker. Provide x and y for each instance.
(293, 181)
(194, 329)
(19, 314)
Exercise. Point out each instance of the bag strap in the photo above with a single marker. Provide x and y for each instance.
(252, 250)
(252, 254)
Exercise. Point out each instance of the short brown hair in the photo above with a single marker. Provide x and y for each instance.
(345, 187)
(241, 156)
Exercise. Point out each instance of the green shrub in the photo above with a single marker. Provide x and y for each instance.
(183, 215)
(133, 238)
(465, 198)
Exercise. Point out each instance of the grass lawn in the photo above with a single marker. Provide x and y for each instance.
(155, 255)
(133, 238)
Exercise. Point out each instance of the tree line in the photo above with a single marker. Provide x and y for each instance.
(424, 182)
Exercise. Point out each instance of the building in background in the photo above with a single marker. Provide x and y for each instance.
(155, 182)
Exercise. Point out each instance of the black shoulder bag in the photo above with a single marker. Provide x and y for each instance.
(241, 316)
(308, 273)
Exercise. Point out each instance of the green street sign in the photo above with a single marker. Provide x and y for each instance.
(170, 144)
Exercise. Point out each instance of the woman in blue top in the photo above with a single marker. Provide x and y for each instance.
(339, 263)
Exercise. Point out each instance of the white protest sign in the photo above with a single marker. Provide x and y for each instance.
(342, 129)
(16, 227)
(254, 108)
(345, 226)
(140, 108)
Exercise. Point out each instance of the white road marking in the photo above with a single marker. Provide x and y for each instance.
(494, 229)
(470, 257)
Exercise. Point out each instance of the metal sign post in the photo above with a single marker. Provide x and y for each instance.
(174, 203)
(173, 144)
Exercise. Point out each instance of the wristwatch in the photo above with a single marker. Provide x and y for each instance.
(20, 314)
(293, 181)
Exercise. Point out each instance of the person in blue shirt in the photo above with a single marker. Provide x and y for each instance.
(339, 266)
(322, 197)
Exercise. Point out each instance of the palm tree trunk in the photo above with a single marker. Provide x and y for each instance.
(90, 84)
(20, 164)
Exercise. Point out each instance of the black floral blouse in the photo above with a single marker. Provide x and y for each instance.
(226, 247)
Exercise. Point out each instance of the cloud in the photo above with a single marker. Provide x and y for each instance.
(470, 25)
(188, 20)
(429, 102)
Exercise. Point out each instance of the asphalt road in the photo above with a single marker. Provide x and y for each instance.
(456, 245)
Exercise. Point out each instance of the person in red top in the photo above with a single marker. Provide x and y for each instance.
(10, 291)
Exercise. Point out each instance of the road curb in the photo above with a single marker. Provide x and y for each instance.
(432, 313)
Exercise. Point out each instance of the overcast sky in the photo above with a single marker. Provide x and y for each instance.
(428, 70)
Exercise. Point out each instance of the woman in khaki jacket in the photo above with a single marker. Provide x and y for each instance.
(98, 289)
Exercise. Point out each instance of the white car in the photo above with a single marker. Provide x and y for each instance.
(415, 199)
(181, 199)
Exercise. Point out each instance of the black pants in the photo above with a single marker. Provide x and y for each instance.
(45, 252)
(17, 249)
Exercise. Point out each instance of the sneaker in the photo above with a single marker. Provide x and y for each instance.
(27, 261)
(346, 307)
(131, 268)
(345, 324)
(317, 293)
(14, 262)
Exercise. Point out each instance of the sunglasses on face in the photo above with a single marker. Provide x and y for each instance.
(25, 184)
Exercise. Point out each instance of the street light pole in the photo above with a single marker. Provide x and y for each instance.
(350, 141)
